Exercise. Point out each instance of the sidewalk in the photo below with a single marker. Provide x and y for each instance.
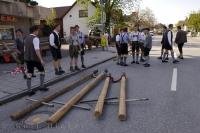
(11, 84)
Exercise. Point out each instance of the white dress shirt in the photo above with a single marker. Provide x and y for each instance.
(36, 42)
(169, 36)
(52, 38)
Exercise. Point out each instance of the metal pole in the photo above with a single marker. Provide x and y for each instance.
(58, 102)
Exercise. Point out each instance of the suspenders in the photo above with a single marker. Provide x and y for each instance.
(122, 38)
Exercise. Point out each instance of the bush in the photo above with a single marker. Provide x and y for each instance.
(33, 3)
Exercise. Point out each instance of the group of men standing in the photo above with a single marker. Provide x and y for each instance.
(28, 49)
(167, 43)
(140, 42)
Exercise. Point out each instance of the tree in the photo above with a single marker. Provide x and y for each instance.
(193, 21)
(50, 20)
(147, 18)
(124, 5)
(110, 7)
(95, 19)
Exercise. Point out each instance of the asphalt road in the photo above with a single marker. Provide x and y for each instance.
(173, 107)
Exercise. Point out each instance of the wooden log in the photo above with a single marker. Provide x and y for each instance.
(122, 100)
(64, 109)
(100, 103)
(34, 106)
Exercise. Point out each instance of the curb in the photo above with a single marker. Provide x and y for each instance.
(48, 83)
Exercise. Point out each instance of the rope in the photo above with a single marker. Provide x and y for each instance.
(117, 80)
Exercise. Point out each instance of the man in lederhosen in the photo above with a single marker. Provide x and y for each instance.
(124, 40)
(19, 45)
(135, 45)
(168, 44)
(117, 43)
(74, 48)
(55, 47)
(181, 38)
(141, 40)
(33, 58)
(162, 43)
(147, 46)
(81, 39)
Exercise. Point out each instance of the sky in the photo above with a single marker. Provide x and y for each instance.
(166, 11)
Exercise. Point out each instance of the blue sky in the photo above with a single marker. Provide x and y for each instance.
(166, 11)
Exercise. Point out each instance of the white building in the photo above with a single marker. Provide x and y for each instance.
(78, 15)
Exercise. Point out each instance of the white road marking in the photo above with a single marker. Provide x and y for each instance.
(174, 80)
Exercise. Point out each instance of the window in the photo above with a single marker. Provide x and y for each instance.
(83, 13)
(6, 33)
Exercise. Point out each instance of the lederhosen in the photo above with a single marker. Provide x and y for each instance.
(123, 45)
(73, 49)
(135, 45)
(167, 45)
(31, 57)
(141, 44)
(117, 44)
(56, 53)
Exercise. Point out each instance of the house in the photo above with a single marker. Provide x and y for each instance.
(78, 15)
(60, 12)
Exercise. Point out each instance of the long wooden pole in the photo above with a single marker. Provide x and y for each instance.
(122, 100)
(100, 103)
(20, 114)
(64, 109)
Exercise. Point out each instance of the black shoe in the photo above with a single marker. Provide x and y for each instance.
(61, 71)
(25, 77)
(137, 62)
(31, 93)
(33, 76)
(164, 61)
(180, 57)
(146, 65)
(118, 63)
(160, 58)
(167, 58)
(121, 64)
(76, 68)
(57, 73)
(71, 69)
(43, 89)
(175, 61)
(125, 64)
(142, 60)
(132, 62)
(83, 66)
